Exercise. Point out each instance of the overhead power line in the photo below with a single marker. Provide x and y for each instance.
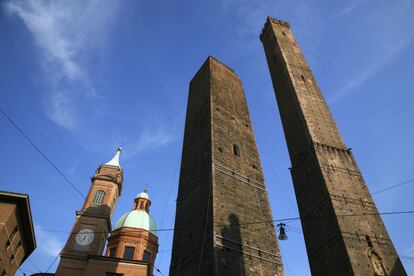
(158, 270)
(256, 222)
(41, 153)
(251, 223)
(50, 266)
(394, 186)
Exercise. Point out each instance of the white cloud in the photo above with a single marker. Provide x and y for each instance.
(47, 243)
(347, 10)
(391, 28)
(152, 136)
(371, 70)
(69, 34)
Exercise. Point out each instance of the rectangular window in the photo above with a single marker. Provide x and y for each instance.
(112, 252)
(146, 256)
(98, 197)
(129, 253)
(18, 247)
(7, 245)
(11, 258)
(13, 233)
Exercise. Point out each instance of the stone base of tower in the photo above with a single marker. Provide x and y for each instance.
(101, 266)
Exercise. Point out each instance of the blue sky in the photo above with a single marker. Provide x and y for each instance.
(82, 77)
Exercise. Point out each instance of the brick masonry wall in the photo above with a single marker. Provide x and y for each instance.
(94, 217)
(230, 191)
(326, 177)
(11, 245)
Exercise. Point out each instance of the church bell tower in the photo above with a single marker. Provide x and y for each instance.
(93, 221)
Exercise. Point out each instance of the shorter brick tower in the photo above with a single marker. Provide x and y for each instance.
(134, 236)
(222, 193)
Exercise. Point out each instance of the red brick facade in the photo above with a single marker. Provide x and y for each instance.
(17, 240)
(82, 254)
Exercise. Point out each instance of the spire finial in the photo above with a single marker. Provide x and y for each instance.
(146, 188)
(115, 160)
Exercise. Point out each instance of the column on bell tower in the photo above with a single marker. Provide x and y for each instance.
(93, 221)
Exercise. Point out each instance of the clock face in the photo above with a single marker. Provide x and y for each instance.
(84, 237)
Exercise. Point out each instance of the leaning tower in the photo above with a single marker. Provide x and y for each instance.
(344, 234)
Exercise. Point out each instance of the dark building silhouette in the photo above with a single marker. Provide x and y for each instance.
(327, 180)
(221, 188)
(17, 238)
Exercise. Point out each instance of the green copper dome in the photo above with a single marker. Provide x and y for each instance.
(138, 219)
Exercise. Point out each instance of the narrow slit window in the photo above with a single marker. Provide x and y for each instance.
(98, 197)
(302, 77)
(236, 150)
(368, 241)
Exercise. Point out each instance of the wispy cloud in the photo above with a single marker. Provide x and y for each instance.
(69, 35)
(149, 140)
(371, 70)
(347, 10)
(393, 33)
(47, 243)
(138, 133)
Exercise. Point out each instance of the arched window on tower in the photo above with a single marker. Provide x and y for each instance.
(98, 197)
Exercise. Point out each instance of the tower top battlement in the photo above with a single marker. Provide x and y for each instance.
(275, 21)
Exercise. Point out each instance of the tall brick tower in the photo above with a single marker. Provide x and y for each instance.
(93, 221)
(327, 181)
(221, 190)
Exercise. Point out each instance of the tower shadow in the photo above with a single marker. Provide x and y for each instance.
(230, 257)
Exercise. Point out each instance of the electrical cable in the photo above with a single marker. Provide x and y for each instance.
(50, 266)
(159, 260)
(158, 270)
(41, 153)
(393, 186)
(34, 265)
(257, 222)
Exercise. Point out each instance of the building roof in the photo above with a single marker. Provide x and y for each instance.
(137, 219)
(25, 215)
